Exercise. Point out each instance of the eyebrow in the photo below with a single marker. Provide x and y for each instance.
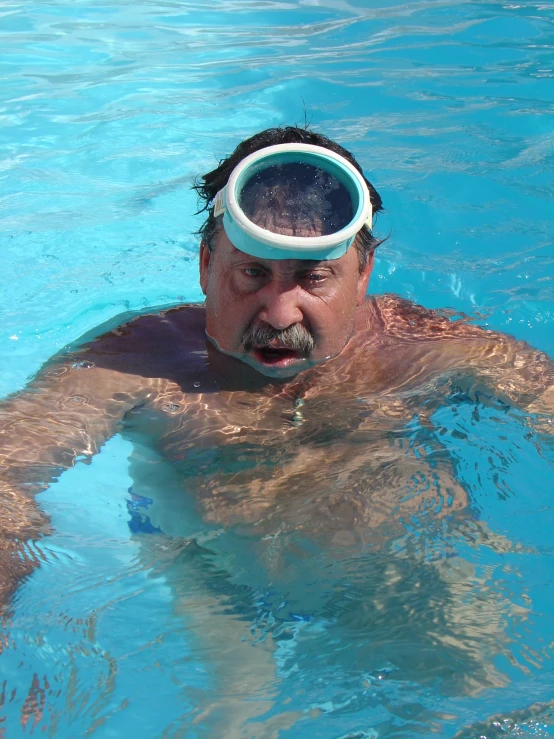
(301, 263)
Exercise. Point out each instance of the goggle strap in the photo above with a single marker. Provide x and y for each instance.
(219, 203)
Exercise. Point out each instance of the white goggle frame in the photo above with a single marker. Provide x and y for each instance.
(259, 242)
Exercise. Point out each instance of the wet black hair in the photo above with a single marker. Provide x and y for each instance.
(209, 184)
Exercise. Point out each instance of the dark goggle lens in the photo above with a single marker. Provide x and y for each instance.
(296, 198)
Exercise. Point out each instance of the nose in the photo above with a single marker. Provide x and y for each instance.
(281, 306)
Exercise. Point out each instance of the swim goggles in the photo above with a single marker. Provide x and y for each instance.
(316, 163)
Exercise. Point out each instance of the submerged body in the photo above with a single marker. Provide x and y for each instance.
(325, 471)
(296, 417)
(159, 376)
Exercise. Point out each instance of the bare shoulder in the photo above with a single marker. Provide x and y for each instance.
(402, 319)
(129, 360)
(148, 343)
(450, 341)
(149, 331)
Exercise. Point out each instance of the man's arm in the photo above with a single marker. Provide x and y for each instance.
(514, 370)
(544, 406)
(478, 359)
(66, 413)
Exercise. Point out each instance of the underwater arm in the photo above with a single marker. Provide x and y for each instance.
(544, 406)
(65, 414)
(526, 376)
(492, 363)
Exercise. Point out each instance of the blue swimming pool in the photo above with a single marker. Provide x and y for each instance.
(108, 112)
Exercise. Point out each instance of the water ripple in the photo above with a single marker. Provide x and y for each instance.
(108, 111)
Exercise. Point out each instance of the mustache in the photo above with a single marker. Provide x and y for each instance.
(294, 337)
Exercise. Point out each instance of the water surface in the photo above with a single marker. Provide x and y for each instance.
(108, 112)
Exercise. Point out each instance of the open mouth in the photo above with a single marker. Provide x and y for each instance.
(276, 356)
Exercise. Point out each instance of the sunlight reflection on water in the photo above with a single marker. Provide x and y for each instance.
(108, 112)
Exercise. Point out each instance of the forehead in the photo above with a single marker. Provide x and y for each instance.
(231, 255)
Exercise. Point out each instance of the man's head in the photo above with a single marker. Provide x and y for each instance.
(283, 315)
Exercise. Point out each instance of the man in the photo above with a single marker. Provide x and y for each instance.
(282, 396)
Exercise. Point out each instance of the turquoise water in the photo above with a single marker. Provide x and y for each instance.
(108, 111)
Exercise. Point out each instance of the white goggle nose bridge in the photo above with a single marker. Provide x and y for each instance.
(256, 241)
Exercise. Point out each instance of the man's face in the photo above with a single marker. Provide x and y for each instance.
(280, 316)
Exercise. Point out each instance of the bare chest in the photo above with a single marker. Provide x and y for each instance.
(324, 458)
(274, 421)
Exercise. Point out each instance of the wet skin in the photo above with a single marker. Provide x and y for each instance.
(185, 378)
(269, 438)
(161, 376)
(321, 297)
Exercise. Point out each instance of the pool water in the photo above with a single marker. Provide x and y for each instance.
(145, 621)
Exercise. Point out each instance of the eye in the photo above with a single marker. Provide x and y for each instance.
(253, 272)
(314, 277)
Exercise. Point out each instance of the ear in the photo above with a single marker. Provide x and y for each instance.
(363, 280)
(205, 256)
